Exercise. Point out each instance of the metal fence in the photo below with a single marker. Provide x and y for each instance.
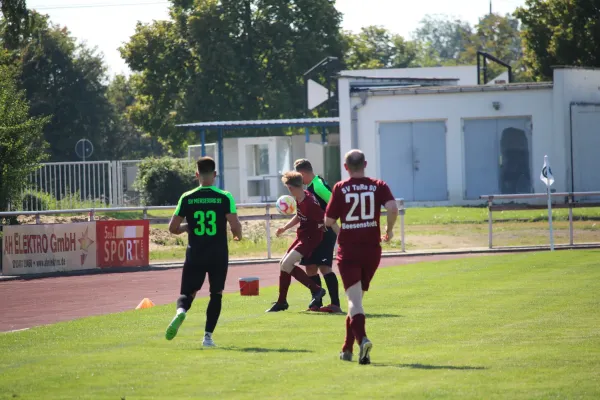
(81, 184)
(68, 185)
(268, 216)
(569, 203)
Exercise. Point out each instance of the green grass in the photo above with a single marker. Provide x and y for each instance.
(495, 327)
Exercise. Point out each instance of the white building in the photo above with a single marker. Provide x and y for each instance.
(450, 144)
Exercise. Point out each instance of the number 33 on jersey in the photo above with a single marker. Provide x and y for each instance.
(205, 209)
(357, 203)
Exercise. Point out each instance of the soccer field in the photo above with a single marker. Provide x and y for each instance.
(511, 326)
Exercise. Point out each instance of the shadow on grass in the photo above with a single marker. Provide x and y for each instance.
(264, 350)
(344, 315)
(427, 366)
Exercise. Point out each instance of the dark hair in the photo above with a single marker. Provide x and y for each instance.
(205, 165)
(292, 178)
(355, 160)
(303, 165)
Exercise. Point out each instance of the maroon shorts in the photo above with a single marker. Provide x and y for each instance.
(358, 265)
(305, 246)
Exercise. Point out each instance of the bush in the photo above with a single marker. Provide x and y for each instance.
(161, 181)
(34, 200)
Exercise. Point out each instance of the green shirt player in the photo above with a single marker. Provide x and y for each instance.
(322, 258)
(207, 211)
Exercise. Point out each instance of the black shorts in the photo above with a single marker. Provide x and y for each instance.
(196, 267)
(323, 254)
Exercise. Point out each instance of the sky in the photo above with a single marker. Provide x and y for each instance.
(107, 24)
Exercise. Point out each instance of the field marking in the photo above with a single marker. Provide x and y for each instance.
(16, 330)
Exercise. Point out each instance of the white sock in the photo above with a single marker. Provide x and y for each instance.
(180, 311)
(208, 335)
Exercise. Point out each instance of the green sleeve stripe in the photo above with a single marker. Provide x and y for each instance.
(178, 209)
(232, 208)
(321, 190)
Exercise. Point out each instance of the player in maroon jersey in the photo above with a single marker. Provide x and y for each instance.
(310, 215)
(357, 202)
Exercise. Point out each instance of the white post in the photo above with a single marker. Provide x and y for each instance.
(550, 219)
(548, 179)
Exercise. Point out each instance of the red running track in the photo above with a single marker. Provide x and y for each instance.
(28, 303)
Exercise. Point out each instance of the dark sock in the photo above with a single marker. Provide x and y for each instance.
(349, 340)
(285, 280)
(184, 301)
(332, 287)
(301, 277)
(212, 312)
(357, 324)
(316, 279)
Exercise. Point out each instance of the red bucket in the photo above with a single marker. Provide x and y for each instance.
(249, 286)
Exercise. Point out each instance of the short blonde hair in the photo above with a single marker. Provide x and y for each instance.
(292, 178)
(303, 165)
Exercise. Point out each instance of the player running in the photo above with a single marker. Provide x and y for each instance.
(357, 202)
(322, 258)
(308, 237)
(207, 211)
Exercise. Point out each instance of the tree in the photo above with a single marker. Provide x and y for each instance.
(131, 142)
(375, 47)
(228, 60)
(164, 64)
(441, 40)
(499, 36)
(560, 32)
(66, 80)
(15, 22)
(22, 146)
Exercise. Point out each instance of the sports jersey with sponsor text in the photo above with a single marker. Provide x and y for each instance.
(357, 203)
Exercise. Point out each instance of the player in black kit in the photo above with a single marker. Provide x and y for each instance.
(207, 211)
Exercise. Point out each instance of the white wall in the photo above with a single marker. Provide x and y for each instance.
(453, 108)
(231, 161)
(466, 75)
(570, 85)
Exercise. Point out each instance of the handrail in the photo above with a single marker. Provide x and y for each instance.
(537, 195)
(135, 208)
(267, 216)
(570, 204)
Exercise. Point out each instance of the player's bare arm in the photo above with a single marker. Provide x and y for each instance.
(392, 215)
(291, 223)
(329, 222)
(235, 225)
(176, 226)
(335, 227)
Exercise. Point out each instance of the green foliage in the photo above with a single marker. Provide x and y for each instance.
(227, 60)
(65, 79)
(162, 181)
(34, 200)
(376, 47)
(21, 142)
(560, 32)
(15, 22)
(441, 40)
(133, 142)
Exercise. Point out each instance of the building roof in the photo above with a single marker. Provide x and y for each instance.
(265, 123)
(392, 91)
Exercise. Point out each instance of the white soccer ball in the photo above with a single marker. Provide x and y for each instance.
(286, 205)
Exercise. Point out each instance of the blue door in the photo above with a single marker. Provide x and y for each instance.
(429, 159)
(396, 158)
(482, 158)
(413, 159)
